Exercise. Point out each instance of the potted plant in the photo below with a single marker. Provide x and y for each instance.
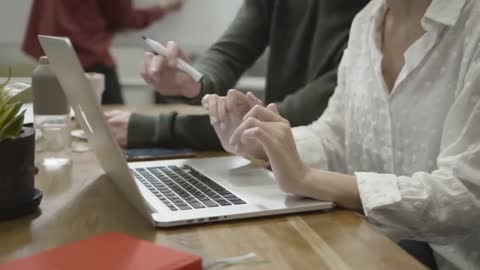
(17, 151)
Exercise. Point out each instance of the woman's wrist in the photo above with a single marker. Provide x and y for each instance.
(314, 185)
(330, 186)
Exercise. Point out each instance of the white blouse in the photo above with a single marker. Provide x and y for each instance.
(415, 152)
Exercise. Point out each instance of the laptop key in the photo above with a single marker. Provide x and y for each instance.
(197, 205)
(223, 202)
(237, 202)
(210, 204)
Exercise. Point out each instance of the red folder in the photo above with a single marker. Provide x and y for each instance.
(108, 251)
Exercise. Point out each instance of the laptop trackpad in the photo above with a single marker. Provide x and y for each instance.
(235, 171)
(251, 175)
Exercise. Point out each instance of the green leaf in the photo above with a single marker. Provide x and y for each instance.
(19, 92)
(8, 79)
(11, 100)
(3, 101)
(13, 128)
(9, 112)
(4, 98)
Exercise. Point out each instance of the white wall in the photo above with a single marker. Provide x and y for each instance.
(199, 22)
(13, 18)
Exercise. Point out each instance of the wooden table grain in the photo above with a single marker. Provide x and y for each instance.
(80, 201)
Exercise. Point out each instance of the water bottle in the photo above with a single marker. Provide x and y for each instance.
(51, 118)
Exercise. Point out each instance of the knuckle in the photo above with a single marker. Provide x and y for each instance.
(250, 120)
(257, 131)
(211, 99)
(257, 108)
(230, 92)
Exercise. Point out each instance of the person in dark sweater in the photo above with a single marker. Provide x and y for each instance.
(306, 40)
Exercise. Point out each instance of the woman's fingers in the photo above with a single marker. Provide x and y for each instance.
(273, 107)
(268, 134)
(254, 134)
(235, 100)
(256, 117)
(212, 104)
(269, 114)
(222, 112)
(236, 137)
(205, 101)
(253, 100)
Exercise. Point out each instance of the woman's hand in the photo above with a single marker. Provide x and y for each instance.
(226, 114)
(262, 133)
(265, 126)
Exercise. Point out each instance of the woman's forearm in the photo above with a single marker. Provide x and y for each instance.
(330, 186)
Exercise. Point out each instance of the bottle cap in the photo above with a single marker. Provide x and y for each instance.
(44, 60)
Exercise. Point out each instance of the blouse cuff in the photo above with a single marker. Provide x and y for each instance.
(377, 191)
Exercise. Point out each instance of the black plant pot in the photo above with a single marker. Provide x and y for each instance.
(17, 173)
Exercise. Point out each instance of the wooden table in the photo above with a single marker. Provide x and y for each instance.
(80, 201)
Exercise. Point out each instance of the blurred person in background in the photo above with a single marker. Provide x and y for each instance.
(91, 26)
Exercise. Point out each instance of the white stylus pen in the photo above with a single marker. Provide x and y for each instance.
(181, 64)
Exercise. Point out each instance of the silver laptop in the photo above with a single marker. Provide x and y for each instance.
(174, 192)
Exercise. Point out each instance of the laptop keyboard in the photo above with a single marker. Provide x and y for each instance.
(184, 188)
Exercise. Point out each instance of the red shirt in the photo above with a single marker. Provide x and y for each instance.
(90, 25)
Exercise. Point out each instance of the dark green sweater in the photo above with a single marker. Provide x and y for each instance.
(306, 40)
